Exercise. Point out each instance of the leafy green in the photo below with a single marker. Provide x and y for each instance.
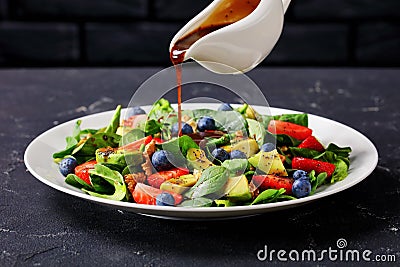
(300, 119)
(343, 152)
(282, 140)
(75, 181)
(316, 181)
(114, 123)
(257, 131)
(161, 108)
(211, 180)
(197, 202)
(341, 171)
(114, 178)
(235, 166)
(304, 152)
(217, 142)
(225, 121)
(152, 127)
(179, 145)
(88, 148)
(267, 196)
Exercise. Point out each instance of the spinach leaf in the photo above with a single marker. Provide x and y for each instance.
(267, 196)
(300, 119)
(225, 121)
(114, 178)
(304, 152)
(316, 181)
(71, 145)
(285, 198)
(180, 145)
(340, 151)
(114, 124)
(197, 202)
(211, 180)
(77, 182)
(160, 109)
(282, 139)
(152, 127)
(88, 148)
(257, 131)
(340, 171)
(235, 167)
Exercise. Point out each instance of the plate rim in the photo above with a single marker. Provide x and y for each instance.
(203, 212)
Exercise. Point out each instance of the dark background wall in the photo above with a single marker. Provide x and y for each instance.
(137, 32)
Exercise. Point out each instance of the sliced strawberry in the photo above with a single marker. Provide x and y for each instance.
(312, 143)
(145, 194)
(156, 179)
(82, 171)
(308, 165)
(269, 181)
(294, 130)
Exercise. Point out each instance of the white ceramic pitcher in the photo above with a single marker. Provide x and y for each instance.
(238, 47)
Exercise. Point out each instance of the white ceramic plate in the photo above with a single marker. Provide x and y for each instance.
(364, 158)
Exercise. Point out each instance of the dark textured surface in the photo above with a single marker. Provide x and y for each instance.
(41, 226)
(37, 42)
(316, 33)
(148, 44)
(346, 9)
(165, 9)
(311, 44)
(80, 9)
(380, 46)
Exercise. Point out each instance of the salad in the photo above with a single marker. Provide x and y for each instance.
(225, 157)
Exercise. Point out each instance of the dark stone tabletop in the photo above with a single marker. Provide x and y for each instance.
(41, 226)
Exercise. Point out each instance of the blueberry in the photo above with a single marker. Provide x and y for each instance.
(225, 107)
(135, 111)
(165, 199)
(267, 147)
(301, 188)
(220, 154)
(67, 166)
(299, 174)
(206, 123)
(237, 154)
(160, 160)
(186, 129)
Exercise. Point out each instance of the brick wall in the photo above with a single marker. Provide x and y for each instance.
(138, 32)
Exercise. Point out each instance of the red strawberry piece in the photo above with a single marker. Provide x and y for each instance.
(156, 179)
(308, 165)
(294, 130)
(82, 171)
(312, 143)
(145, 194)
(269, 181)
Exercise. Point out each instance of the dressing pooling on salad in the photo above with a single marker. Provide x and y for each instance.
(225, 157)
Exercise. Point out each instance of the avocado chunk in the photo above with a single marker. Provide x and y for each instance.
(268, 162)
(179, 185)
(119, 157)
(197, 159)
(248, 146)
(237, 189)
